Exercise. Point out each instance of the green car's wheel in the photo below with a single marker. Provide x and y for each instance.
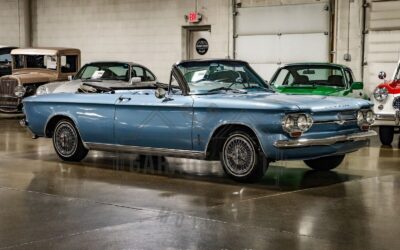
(325, 163)
(67, 142)
(242, 157)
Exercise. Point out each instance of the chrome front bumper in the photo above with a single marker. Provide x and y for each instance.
(395, 118)
(324, 141)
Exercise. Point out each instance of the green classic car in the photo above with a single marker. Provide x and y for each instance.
(317, 79)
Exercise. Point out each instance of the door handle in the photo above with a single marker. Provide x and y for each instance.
(121, 99)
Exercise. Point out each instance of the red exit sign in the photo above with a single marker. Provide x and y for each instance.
(193, 17)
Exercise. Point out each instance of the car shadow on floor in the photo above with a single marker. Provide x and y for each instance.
(278, 178)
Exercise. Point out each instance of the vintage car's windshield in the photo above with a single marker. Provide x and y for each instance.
(35, 62)
(104, 71)
(313, 75)
(213, 76)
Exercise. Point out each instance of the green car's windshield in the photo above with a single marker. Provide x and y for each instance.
(104, 71)
(310, 75)
(215, 76)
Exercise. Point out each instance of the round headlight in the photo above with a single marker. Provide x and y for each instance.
(288, 124)
(304, 122)
(360, 117)
(42, 90)
(370, 117)
(19, 91)
(380, 94)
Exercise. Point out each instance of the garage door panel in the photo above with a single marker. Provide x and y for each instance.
(258, 49)
(265, 70)
(383, 47)
(268, 36)
(384, 15)
(304, 48)
(283, 19)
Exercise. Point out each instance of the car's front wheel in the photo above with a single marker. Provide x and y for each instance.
(242, 157)
(325, 163)
(67, 142)
(386, 134)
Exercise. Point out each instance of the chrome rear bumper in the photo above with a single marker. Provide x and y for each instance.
(324, 141)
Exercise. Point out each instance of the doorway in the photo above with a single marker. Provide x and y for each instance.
(197, 42)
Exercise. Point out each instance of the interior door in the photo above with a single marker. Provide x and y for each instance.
(142, 119)
(198, 46)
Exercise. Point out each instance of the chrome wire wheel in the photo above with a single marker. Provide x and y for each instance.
(65, 139)
(239, 155)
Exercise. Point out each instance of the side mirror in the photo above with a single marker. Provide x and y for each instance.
(70, 78)
(382, 75)
(160, 93)
(135, 79)
(357, 86)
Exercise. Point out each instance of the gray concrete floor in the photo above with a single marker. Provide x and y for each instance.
(117, 201)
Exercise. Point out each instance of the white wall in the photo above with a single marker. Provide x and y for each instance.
(14, 23)
(349, 35)
(144, 31)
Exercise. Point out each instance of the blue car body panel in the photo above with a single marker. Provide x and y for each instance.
(138, 118)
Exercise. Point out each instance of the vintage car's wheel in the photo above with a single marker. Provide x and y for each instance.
(67, 142)
(386, 134)
(242, 158)
(325, 163)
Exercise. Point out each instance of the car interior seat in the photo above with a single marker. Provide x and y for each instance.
(336, 80)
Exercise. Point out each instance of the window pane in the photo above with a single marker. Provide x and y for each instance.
(68, 64)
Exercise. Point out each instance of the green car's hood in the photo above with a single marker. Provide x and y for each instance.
(310, 90)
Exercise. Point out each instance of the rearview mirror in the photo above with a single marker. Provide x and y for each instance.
(160, 93)
(135, 80)
(382, 75)
(357, 85)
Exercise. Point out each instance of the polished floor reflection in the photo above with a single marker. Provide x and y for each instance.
(121, 201)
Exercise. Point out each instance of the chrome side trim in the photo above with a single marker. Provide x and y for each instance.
(146, 150)
(324, 141)
(339, 122)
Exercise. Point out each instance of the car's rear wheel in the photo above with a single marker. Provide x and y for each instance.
(242, 157)
(386, 134)
(67, 142)
(325, 163)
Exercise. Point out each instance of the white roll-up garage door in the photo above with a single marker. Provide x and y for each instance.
(269, 36)
(382, 40)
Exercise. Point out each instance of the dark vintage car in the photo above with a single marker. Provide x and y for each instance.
(212, 110)
(111, 74)
(5, 60)
(32, 67)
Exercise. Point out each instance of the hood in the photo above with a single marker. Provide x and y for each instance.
(310, 90)
(33, 77)
(393, 86)
(285, 102)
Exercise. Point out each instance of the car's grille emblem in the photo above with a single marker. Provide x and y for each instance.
(396, 103)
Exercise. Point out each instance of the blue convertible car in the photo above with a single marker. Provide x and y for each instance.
(211, 109)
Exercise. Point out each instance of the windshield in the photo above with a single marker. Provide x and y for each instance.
(397, 75)
(104, 71)
(35, 62)
(210, 76)
(315, 75)
(5, 58)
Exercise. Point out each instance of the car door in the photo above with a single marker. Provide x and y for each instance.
(142, 119)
